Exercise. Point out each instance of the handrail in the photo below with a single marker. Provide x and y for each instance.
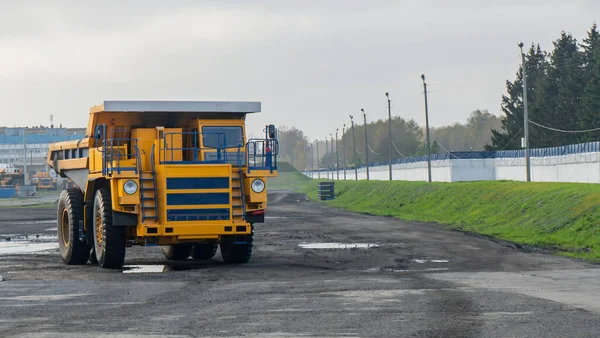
(138, 160)
(109, 156)
(264, 157)
(167, 139)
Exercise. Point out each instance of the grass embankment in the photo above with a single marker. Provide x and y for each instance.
(287, 178)
(560, 216)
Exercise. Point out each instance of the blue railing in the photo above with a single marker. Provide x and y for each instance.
(117, 149)
(581, 148)
(262, 154)
(217, 154)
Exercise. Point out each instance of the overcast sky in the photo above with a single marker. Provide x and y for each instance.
(311, 63)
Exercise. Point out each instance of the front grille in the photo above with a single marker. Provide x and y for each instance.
(198, 199)
(198, 183)
(198, 215)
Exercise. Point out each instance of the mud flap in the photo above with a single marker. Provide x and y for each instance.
(122, 219)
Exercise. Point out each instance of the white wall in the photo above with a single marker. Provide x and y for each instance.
(567, 168)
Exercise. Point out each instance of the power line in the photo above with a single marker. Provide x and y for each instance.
(449, 153)
(512, 139)
(564, 131)
(373, 151)
(399, 152)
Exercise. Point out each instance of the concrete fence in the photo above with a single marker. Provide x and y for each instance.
(575, 163)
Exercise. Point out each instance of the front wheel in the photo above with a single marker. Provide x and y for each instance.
(109, 240)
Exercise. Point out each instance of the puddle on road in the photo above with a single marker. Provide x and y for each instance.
(338, 245)
(20, 248)
(423, 261)
(143, 268)
(22, 244)
(416, 270)
(46, 221)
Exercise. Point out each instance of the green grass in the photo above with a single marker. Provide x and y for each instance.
(287, 178)
(563, 217)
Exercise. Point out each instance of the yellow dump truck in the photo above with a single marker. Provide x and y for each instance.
(178, 174)
(43, 180)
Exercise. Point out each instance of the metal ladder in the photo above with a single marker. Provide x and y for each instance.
(238, 196)
(148, 195)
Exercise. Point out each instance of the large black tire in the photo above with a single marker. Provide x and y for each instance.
(204, 250)
(233, 253)
(109, 240)
(177, 252)
(69, 214)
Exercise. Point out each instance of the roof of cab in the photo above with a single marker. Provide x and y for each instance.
(178, 107)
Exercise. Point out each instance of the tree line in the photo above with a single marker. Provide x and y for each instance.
(408, 139)
(563, 94)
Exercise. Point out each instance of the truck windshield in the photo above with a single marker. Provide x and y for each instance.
(222, 137)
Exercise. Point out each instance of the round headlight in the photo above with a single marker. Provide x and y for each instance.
(258, 186)
(130, 187)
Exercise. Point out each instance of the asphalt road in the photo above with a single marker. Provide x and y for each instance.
(420, 280)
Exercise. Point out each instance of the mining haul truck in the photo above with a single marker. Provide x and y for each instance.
(180, 175)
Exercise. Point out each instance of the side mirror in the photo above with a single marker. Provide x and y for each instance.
(272, 131)
(98, 133)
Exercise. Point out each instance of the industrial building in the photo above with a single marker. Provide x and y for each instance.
(21, 146)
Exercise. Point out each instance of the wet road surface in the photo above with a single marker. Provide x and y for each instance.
(316, 271)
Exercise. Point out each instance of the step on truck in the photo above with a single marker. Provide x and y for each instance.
(180, 175)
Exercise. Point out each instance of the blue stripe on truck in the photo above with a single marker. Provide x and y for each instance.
(197, 183)
(198, 198)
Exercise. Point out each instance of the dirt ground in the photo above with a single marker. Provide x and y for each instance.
(316, 271)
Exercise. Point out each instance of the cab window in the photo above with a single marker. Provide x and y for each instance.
(222, 137)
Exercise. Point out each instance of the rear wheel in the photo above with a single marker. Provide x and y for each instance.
(204, 250)
(236, 249)
(109, 240)
(177, 252)
(69, 214)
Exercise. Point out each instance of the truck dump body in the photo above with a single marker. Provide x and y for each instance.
(177, 174)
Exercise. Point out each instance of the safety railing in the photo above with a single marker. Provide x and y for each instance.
(115, 150)
(171, 151)
(262, 154)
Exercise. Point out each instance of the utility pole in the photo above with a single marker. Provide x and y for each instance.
(337, 156)
(25, 156)
(312, 161)
(344, 149)
(366, 143)
(318, 161)
(427, 131)
(389, 131)
(332, 163)
(525, 115)
(327, 162)
(354, 144)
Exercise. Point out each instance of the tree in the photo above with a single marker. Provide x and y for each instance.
(473, 135)
(507, 137)
(590, 109)
(562, 92)
(293, 147)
